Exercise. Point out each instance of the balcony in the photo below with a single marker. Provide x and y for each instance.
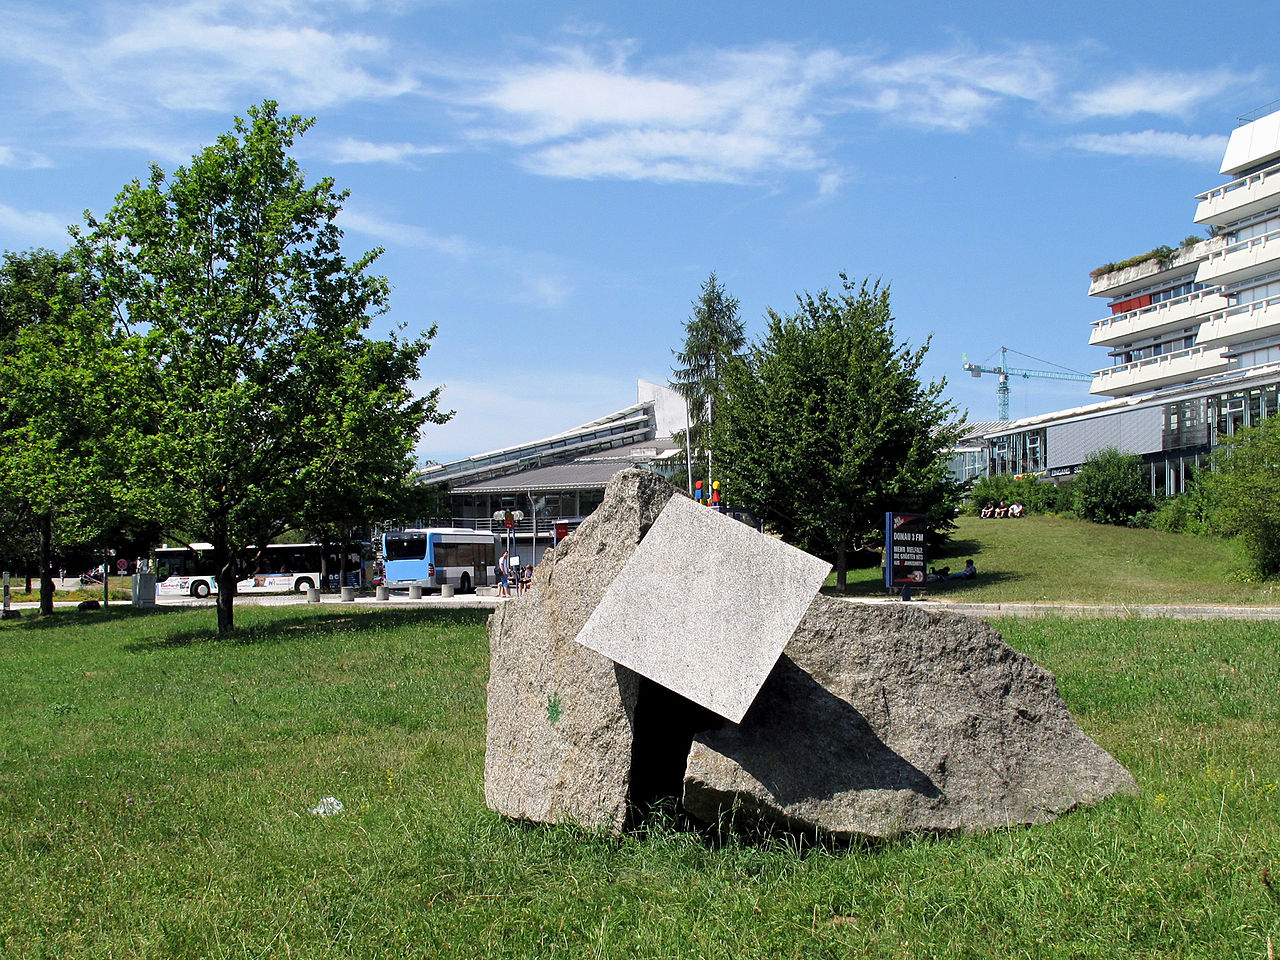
(1240, 198)
(1162, 371)
(1249, 321)
(1241, 260)
(1154, 319)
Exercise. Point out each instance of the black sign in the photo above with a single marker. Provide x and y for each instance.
(905, 556)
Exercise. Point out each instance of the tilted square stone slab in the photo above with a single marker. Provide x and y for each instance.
(704, 606)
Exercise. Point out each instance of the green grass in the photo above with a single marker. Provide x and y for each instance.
(155, 784)
(1054, 558)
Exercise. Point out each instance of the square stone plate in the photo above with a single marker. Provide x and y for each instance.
(704, 606)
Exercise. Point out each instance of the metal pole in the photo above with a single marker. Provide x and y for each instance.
(688, 455)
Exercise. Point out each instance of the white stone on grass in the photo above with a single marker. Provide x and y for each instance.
(704, 606)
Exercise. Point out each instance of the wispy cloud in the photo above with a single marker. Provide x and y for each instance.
(519, 277)
(386, 231)
(1153, 143)
(1168, 94)
(952, 90)
(21, 159)
(350, 150)
(33, 227)
(723, 116)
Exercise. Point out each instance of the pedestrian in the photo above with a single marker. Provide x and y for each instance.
(504, 575)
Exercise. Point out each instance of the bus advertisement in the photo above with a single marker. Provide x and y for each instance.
(276, 568)
(436, 556)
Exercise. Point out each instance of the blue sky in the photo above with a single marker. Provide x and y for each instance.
(554, 182)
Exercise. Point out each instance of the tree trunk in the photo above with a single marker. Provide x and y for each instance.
(324, 566)
(46, 573)
(842, 566)
(226, 584)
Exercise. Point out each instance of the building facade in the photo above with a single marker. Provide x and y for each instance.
(1193, 336)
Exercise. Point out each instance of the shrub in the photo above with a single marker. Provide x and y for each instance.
(1112, 487)
(1244, 489)
(1037, 496)
(1189, 512)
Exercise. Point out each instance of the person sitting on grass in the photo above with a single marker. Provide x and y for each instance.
(987, 512)
(968, 573)
(1015, 509)
(1002, 510)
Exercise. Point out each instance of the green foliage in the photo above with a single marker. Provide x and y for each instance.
(1163, 254)
(272, 406)
(825, 426)
(1112, 487)
(1190, 511)
(1245, 491)
(1035, 495)
(69, 421)
(714, 335)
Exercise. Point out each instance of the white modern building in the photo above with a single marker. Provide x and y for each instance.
(549, 485)
(1193, 335)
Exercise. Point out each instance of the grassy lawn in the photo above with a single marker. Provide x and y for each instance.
(155, 788)
(1053, 558)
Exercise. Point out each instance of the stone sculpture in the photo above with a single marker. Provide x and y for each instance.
(873, 721)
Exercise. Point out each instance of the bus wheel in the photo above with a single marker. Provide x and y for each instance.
(464, 583)
(303, 585)
(200, 589)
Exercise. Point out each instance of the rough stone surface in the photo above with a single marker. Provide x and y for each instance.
(885, 720)
(558, 746)
(705, 606)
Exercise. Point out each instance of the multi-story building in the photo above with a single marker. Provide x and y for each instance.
(1193, 335)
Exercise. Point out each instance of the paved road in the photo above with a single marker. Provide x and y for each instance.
(473, 602)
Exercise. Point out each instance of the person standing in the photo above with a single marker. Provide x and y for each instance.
(504, 575)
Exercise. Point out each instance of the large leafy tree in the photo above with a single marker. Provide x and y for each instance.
(267, 384)
(713, 336)
(1244, 488)
(69, 381)
(825, 425)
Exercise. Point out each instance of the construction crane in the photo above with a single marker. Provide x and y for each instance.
(1004, 371)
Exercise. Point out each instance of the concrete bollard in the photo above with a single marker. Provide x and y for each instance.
(446, 590)
(348, 594)
(415, 592)
(383, 593)
(313, 594)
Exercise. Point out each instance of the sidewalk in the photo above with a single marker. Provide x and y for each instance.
(1051, 609)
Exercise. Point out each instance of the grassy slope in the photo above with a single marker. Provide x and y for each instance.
(1052, 558)
(155, 786)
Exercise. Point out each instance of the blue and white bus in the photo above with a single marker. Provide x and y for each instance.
(436, 556)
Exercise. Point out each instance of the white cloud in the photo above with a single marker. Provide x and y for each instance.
(27, 227)
(1170, 94)
(405, 234)
(350, 150)
(952, 90)
(721, 116)
(1153, 143)
(22, 159)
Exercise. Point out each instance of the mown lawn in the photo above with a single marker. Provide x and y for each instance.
(1054, 558)
(156, 783)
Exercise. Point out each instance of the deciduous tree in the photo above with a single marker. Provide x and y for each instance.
(1244, 488)
(825, 425)
(265, 372)
(68, 424)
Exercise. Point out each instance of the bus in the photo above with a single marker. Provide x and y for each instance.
(275, 568)
(436, 556)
